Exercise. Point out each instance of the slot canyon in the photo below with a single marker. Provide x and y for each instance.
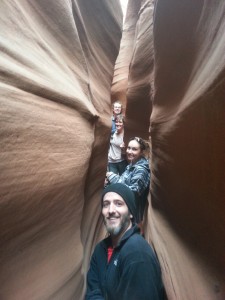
(62, 64)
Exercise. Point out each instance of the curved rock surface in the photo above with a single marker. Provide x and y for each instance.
(57, 60)
(187, 133)
(181, 70)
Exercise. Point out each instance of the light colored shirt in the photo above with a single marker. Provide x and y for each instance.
(115, 152)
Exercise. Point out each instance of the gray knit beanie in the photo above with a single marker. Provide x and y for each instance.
(126, 193)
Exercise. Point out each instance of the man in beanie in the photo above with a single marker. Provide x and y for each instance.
(123, 265)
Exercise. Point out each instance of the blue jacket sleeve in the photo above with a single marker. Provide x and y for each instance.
(114, 178)
(139, 180)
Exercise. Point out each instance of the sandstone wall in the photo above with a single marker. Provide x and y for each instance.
(176, 73)
(56, 67)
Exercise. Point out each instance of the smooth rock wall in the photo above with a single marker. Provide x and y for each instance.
(56, 67)
(176, 73)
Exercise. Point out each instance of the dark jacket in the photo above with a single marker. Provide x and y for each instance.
(137, 178)
(133, 272)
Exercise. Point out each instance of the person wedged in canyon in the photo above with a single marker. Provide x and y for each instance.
(117, 109)
(136, 175)
(123, 265)
(116, 156)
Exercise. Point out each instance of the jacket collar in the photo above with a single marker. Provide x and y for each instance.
(134, 229)
(141, 162)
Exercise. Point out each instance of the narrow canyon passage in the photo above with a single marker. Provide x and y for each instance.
(62, 65)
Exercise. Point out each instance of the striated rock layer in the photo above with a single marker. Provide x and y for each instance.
(56, 68)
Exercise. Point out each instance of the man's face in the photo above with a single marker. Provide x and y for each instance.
(117, 217)
(117, 108)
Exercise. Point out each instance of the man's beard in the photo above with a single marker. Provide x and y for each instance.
(122, 226)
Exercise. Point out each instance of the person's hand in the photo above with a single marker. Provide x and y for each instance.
(108, 174)
(122, 145)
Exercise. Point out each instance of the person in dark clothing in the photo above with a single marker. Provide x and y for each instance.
(123, 266)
